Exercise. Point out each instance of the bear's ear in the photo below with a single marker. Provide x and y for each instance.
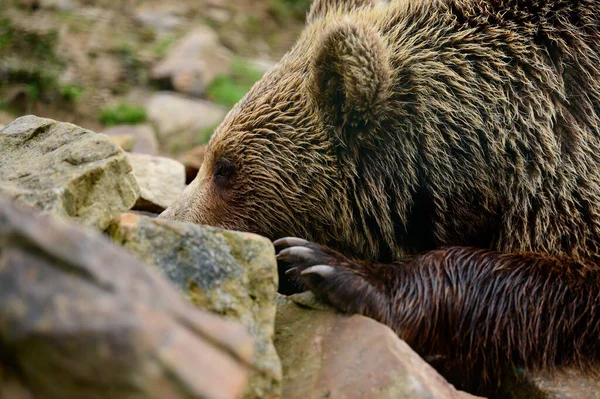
(321, 7)
(352, 77)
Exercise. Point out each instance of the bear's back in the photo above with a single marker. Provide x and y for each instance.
(502, 101)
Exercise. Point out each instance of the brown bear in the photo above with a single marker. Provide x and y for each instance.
(440, 160)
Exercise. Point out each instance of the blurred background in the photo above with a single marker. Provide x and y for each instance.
(164, 72)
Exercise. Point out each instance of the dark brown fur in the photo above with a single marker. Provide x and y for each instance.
(450, 149)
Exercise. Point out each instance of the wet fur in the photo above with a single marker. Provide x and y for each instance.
(450, 150)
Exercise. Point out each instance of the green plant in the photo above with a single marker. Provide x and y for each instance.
(122, 113)
(6, 33)
(228, 89)
(33, 91)
(71, 92)
(224, 90)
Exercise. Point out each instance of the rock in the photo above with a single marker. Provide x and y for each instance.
(218, 15)
(231, 273)
(564, 384)
(328, 355)
(145, 141)
(569, 384)
(109, 70)
(160, 179)
(81, 318)
(162, 18)
(193, 62)
(180, 120)
(192, 160)
(60, 5)
(66, 170)
(125, 141)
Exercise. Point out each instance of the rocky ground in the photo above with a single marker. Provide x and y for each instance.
(98, 299)
(172, 69)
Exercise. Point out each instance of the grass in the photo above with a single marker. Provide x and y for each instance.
(122, 114)
(229, 88)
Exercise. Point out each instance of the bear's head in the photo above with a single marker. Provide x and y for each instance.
(288, 159)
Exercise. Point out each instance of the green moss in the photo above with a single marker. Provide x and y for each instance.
(122, 114)
(72, 93)
(230, 88)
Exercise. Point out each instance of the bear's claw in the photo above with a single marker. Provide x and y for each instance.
(331, 276)
(295, 253)
(302, 260)
(290, 241)
(322, 270)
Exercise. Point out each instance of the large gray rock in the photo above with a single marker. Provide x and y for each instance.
(161, 180)
(328, 355)
(193, 62)
(180, 120)
(230, 273)
(66, 170)
(81, 318)
(144, 139)
(125, 142)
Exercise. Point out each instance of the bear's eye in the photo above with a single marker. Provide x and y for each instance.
(223, 171)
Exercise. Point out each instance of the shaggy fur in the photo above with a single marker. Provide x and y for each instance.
(450, 149)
